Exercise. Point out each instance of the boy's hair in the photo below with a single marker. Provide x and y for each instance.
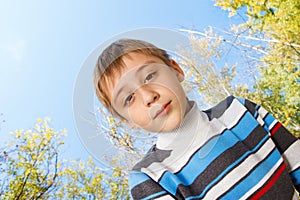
(110, 62)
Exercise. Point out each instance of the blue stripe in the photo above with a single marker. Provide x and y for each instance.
(245, 126)
(137, 177)
(241, 100)
(256, 107)
(296, 176)
(269, 119)
(255, 114)
(256, 111)
(154, 195)
(254, 177)
(229, 168)
(198, 164)
(207, 154)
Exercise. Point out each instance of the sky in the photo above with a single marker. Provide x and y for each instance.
(43, 45)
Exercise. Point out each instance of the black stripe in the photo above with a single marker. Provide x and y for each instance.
(298, 188)
(250, 106)
(222, 132)
(219, 109)
(145, 189)
(160, 196)
(242, 179)
(196, 152)
(282, 188)
(264, 118)
(153, 155)
(221, 163)
(193, 154)
(283, 139)
(259, 115)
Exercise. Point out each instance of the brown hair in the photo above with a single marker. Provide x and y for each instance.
(111, 62)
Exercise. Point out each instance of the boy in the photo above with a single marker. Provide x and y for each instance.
(235, 150)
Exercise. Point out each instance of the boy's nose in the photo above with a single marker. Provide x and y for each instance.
(148, 95)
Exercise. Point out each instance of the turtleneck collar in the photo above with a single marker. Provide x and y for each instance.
(193, 121)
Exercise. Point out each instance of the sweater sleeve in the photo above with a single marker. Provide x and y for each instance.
(287, 144)
(143, 187)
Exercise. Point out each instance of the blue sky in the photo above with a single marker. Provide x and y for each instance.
(44, 43)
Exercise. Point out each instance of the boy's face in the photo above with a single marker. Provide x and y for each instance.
(148, 93)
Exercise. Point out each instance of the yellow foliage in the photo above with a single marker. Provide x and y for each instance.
(276, 24)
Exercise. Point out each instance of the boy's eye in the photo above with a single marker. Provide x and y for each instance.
(128, 99)
(149, 77)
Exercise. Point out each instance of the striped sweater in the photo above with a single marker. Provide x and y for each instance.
(235, 150)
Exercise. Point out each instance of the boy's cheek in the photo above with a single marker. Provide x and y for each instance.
(137, 115)
(130, 114)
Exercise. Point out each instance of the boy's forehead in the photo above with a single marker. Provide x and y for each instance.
(137, 59)
(130, 71)
(132, 63)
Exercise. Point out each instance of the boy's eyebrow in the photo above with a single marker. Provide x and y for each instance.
(137, 72)
(118, 93)
(143, 66)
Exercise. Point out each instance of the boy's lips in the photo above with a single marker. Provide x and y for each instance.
(163, 110)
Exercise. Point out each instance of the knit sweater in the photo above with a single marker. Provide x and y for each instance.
(235, 150)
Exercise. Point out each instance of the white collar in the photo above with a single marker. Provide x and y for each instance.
(192, 123)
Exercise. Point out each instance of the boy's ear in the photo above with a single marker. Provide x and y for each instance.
(178, 70)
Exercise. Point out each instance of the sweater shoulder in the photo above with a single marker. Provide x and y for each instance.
(217, 110)
(152, 156)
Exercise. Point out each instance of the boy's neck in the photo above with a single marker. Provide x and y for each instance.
(193, 120)
(189, 106)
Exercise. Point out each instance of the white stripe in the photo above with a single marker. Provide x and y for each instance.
(233, 114)
(180, 155)
(273, 124)
(166, 197)
(263, 180)
(240, 171)
(291, 156)
(260, 121)
(186, 147)
(185, 144)
(262, 112)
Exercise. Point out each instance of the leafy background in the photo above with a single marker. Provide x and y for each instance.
(264, 35)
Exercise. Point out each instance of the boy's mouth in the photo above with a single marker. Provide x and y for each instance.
(163, 110)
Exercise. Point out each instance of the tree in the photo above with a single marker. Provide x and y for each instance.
(204, 77)
(276, 25)
(33, 169)
(268, 49)
(209, 79)
(87, 181)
